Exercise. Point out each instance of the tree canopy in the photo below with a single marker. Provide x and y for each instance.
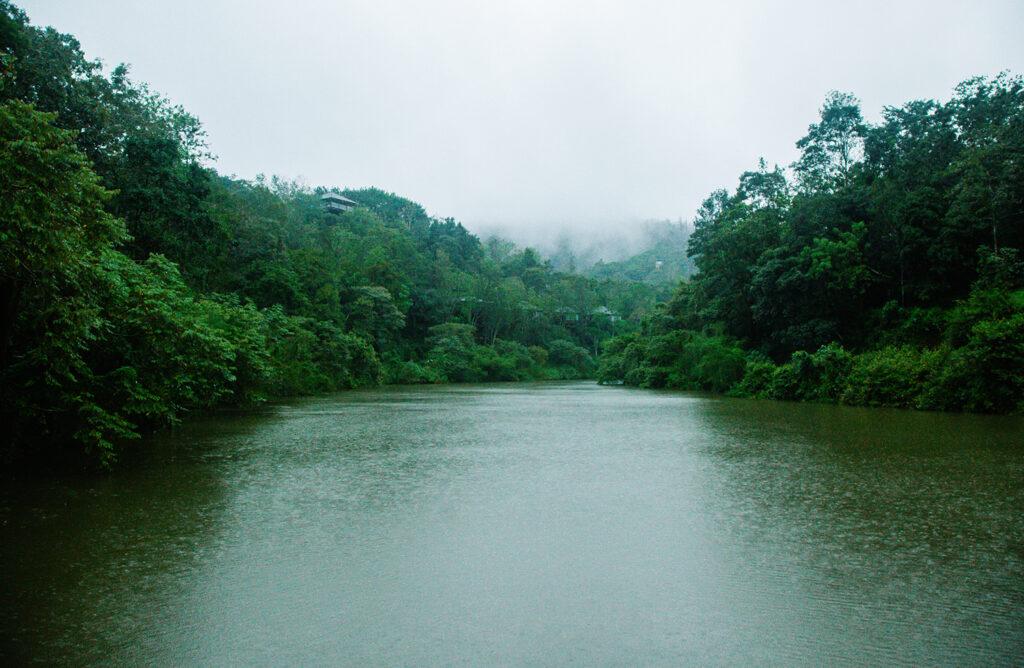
(883, 267)
(138, 284)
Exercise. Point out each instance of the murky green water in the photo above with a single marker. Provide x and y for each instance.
(531, 524)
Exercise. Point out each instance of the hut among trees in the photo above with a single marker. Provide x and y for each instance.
(335, 203)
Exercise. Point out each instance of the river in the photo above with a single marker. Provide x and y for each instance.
(539, 524)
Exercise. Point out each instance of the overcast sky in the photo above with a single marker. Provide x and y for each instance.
(531, 115)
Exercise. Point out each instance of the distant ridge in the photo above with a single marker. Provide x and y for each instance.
(664, 262)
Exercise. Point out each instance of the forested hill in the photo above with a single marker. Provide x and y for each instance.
(883, 268)
(137, 284)
(664, 261)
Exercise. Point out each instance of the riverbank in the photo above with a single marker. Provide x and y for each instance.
(974, 364)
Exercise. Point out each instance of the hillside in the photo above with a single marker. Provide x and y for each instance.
(665, 264)
(883, 268)
(141, 285)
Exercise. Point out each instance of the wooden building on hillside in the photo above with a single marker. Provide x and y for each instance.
(335, 203)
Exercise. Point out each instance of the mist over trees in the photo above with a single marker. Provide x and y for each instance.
(883, 268)
(663, 260)
(651, 251)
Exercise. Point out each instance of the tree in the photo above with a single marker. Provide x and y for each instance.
(372, 314)
(832, 146)
(52, 247)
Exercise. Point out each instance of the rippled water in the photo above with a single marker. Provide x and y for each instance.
(531, 524)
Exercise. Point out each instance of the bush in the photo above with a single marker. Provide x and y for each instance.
(806, 377)
(311, 356)
(832, 365)
(244, 327)
(794, 380)
(620, 356)
(982, 305)
(891, 376)
(504, 361)
(569, 356)
(679, 359)
(690, 360)
(720, 363)
(987, 373)
(407, 372)
(539, 355)
(451, 355)
(757, 377)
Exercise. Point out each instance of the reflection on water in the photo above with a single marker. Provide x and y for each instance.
(913, 520)
(539, 524)
(94, 567)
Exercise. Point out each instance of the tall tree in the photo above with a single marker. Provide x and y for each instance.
(831, 146)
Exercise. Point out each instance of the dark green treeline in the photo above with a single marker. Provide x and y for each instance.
(883, 268)
(138, 284)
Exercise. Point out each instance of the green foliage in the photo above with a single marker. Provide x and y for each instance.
(180, 290)
(96, 346)
(52, 255)
(407, 372)
(900, 240)
(170, 289)
(451, 353)
(618, 358)
(454, 356)
(891, 376)
(503, 361)
(984, 372)
(757, 377)
(818, 377)
(830, 149)
(573, 360)
(680, 359)
(665, 261)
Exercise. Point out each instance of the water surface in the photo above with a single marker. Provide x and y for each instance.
(537, 524)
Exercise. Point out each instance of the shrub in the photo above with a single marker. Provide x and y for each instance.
(539, 355)
(891, 376)
(987, 373)
(795, 379)
(564, 353)
(832, 365)
(690, 360)
(720, 363)
(679, 359)
(622, 357)
(397, 371)
(312, 356)
(757, 377)
(490, 365)
(453, 361)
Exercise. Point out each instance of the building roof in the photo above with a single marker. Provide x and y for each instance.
(335, 197)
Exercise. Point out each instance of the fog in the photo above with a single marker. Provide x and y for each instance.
(533, 117)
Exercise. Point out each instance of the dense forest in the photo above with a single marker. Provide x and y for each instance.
(883, 268)
(138, 284)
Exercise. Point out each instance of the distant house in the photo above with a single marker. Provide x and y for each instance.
(657, 265)
(335, 203)
(605, 312)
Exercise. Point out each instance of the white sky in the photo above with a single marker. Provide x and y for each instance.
(537, 114)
